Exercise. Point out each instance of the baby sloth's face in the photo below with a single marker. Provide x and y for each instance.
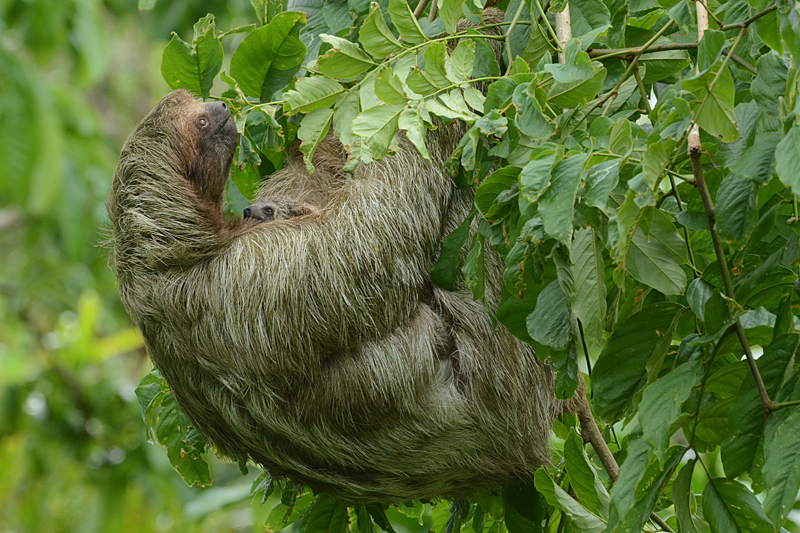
(277, 208)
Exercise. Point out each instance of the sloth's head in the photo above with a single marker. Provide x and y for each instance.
(183, 137)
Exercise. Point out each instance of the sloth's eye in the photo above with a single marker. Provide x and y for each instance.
(202, 122)
(269, 211)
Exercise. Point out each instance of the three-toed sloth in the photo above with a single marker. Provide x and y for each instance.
(317, 346)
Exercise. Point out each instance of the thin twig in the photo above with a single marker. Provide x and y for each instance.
(749, 21)
(590, 433)
(642, 90)
(420, 8)
(550, 29)
(700, 183)
(585, 348)
(605, 53)
(508, 35)
(741, 62)
(433, 12)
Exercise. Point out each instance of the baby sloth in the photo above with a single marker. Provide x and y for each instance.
(277, 208)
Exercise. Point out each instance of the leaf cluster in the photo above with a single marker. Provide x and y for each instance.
(660, 269)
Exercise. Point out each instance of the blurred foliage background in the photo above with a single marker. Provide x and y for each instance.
(77, 76)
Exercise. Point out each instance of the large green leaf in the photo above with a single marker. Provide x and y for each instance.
(736, 209)
(375, 36)
(782, 453)
(787, 159)
(313, 129)
(636, 492)
(376, 127)
(583, 477)
(770, 83)
(269, 57)
(730, 507)
(326, 515)
(316, 92)
(747, 414)
(715, 106)
(549, 323)
(403, 19)
(194, 66)
(661, 404)
(684, 500)
(620, 370)
(655, 258)
(345, 60)
(589, 291)
(583, 520)
(557, 200)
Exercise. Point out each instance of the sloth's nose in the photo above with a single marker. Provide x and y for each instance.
(248, 212)
(218, 111)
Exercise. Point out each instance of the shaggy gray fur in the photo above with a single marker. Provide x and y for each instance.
(318, 347)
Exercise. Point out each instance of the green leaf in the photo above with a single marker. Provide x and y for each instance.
(758, 162)
(641, 481)
(747, 414)
(698, 294)
(589, 291)
(684, 500)
(654, 162)
(403, 19)
(736, 210)
(450, 11)
(787, 159)
(269, 57)
(345, 60)
(529, 118)
(782, 467)
(549, 324)
(709, 48)
(459, 65)
(389, 88)
(583, 520)
(183, 443)
(474, 267)
(730, 507)
(194, 66)
(558, 198)
(376, 37)
(770, 83)
(601, 179)
(655, 258)
(715, 105)
(620, 369)
(419, 82)
(434, 56)
(326, 515)
(311, 93)
(313, 129)
(413, 120)
(661, 65)
(583, 477)
(445, 272)
(575, 85)
(535, 176)
(376, 127)
(621, 138)
(661, 405)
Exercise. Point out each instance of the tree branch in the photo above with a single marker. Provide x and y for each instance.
(749, 21)
(702, 188)
(591, 434)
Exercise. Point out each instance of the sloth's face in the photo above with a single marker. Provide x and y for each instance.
(208, 140)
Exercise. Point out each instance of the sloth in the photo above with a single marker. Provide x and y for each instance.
(320, 349)
(277, 208)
